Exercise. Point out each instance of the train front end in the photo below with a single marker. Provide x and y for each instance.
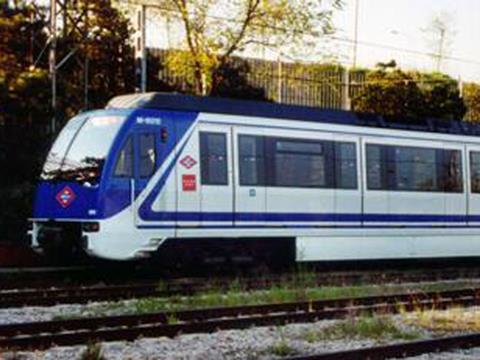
(70, 200)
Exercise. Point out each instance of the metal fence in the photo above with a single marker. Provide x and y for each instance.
(327, 86)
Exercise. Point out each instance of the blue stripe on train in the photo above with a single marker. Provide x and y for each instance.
(309, 217)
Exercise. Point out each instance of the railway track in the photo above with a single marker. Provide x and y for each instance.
(30, 278)
(82, 295)
(41, 335)
(49, 296)
(400, 350)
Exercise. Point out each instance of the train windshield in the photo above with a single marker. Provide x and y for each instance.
(81, 148)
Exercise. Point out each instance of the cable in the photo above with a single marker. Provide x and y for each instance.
(317, 35)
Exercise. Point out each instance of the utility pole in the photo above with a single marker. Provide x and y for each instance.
(141, 49)
(355, 34)
(440, 48)
(52, 62)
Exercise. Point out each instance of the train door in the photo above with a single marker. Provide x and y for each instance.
(472, 174)
(146, 149)
(216, 175)
(348, 183)
(250, 186)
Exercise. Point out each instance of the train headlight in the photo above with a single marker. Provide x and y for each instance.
(91, 227)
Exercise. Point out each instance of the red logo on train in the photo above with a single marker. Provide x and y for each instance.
(66, 196)
(188, 162)
(189, 182)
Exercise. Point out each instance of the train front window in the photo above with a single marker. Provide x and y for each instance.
(84, 154)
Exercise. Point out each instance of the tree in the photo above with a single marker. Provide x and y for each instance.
(441, 94)
(20, 37)
(410, 94)
(471, 95)
(232, 82)
(102, 65)
(210, 39)
(25, 89)
(389, 93)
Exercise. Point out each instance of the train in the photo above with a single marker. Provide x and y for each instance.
(186, 178)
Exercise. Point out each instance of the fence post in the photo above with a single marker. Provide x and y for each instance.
(346, 101)
(279, 70)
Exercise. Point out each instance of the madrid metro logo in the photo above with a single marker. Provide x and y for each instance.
(188, 162)
(66, 196)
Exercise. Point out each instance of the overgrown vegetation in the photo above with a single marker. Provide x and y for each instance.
(444, 321)
(364, 327)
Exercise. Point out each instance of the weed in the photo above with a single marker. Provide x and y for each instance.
(92, 352)
(363, 327)
(172, 319)
(451, 320)
(282, 348)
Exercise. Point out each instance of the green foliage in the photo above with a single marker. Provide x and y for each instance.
(471, 96)
(282, 348)
(209, 40)
(25, 90)
(409, 95)
(364, 327)
(232, 83)
(389, 93)
(441, 96)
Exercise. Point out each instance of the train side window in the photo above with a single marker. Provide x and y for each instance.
(407, 168)
(452, 177)
(345, 165)
(251, 153)
(301, 163)
(147, 155)
(415, 169)
(124, 164)
(475, 171)
(376, 167)
(213, 158)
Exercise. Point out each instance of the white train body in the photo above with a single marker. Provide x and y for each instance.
(338, 191)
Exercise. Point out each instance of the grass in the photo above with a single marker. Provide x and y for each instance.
(363, 327)
(301, 289)
(282, 348)
(92, 352)
(445, 321)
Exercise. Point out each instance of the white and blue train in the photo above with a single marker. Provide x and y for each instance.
(192, 177)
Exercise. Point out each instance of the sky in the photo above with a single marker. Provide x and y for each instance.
(394, 23)
(399, 23)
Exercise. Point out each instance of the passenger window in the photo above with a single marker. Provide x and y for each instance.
(452, 171)
(147, 155)
(124, 164)
(475, 171)
(300, 163)
(415, 169)
(252, 160)
(406, 168)
(376, 167)
(345, 166)
(213, 158)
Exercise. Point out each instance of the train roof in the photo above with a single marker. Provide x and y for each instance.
(216, 105)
